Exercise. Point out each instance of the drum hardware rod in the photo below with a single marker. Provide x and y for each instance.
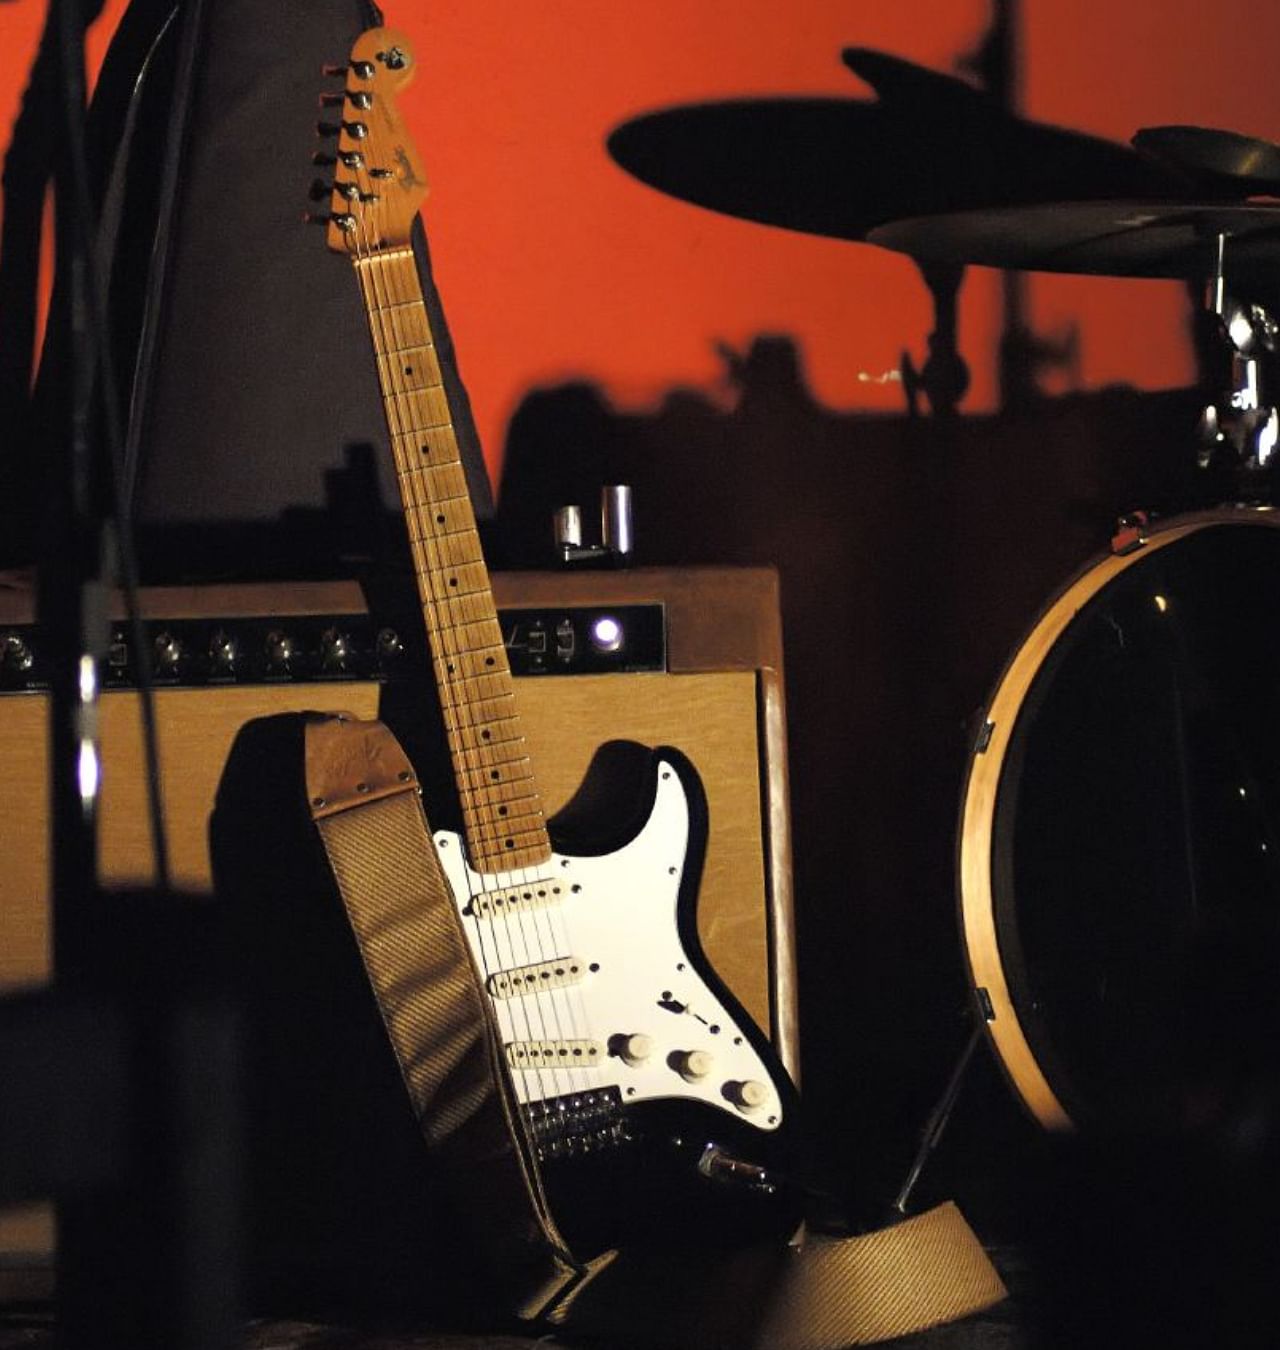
(1242, 339)
(936, 1124)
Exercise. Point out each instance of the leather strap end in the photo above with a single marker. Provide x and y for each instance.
(350, 763)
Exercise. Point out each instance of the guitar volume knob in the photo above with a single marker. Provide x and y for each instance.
(692, 1065)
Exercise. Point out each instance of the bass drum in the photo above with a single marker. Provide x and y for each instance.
(1122, 808)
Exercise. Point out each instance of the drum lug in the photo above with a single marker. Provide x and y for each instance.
(1131, 533)
(984, 737)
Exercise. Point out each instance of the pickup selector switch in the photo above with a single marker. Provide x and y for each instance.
(692, 1065)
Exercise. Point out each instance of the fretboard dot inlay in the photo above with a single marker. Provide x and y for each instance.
(484, 735)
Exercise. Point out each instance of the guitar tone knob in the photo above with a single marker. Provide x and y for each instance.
(634, 1049)
(748, 1095)
(692, 1065)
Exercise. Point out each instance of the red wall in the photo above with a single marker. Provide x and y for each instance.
(555, 265)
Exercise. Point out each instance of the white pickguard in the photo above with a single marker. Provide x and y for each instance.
(616, 914)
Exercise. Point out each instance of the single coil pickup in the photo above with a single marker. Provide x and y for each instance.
(515, 899)
(579, 1122)
(554, 1054)
(533, 979)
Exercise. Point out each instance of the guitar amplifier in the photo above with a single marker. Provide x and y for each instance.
(690, 658)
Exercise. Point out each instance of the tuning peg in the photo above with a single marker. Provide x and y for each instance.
(322, 160)
(342, 219)
(381, 173)
(332, 100)
(363, 69)
(320, 189)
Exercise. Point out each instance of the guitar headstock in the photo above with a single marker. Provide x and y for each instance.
(378, 180)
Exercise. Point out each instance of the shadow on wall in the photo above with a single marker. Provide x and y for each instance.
(912, 554)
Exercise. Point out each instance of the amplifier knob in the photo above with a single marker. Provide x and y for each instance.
(167, 651)
(390, 647)
(280, 651)
(223, 653)
(335, 652)
(15, 654)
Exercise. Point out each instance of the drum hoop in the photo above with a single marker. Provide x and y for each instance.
(977, 900)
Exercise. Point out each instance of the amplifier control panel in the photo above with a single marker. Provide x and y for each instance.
(192, 652)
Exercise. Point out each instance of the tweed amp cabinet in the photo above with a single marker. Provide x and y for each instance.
(689, 658)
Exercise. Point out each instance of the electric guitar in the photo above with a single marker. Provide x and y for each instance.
(654, 1106)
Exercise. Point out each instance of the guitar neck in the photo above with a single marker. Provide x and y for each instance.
(502, 809)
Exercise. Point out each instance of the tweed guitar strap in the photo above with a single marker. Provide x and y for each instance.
(820, 1295)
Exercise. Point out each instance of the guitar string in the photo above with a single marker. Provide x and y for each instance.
(438, 604)
(383, 289)
(420, 542)
(400, 410)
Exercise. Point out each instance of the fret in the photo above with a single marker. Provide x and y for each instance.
(402, 325)
(409, 368)
(455, 582)
(414, 409)
(487, 747)
(440, 480)
(442, 446)
(523, 813)
(479, 688)
(505, 840)
(453, 549)
(489, 711)
(466, 644)
(477, 779)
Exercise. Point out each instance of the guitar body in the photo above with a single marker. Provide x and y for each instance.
(657, 1108)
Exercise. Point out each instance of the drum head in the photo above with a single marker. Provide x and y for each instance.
(1126, 807)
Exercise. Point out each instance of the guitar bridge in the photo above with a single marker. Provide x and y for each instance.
(577, 1123)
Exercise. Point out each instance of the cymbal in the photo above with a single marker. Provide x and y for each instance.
(1121, 238)
(839, 167)
(1245, 163)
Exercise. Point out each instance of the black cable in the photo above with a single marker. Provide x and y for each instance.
(92, 357)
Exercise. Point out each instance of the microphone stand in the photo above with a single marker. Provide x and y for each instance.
(147, 1237)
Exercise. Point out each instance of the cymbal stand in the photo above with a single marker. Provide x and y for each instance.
(1240, 424)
